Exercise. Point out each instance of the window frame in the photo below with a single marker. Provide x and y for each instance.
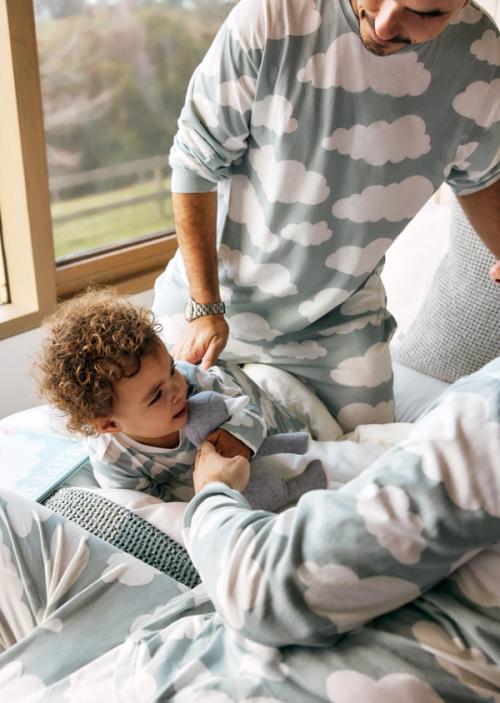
(35, 283)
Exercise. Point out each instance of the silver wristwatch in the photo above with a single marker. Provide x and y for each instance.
(194, 310)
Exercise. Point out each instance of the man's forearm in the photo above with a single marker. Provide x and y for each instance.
(483, 211)
(195, 216)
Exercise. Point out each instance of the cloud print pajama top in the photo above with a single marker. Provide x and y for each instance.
(321, 153)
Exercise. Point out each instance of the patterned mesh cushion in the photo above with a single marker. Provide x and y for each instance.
(125, 530)
(458, 327)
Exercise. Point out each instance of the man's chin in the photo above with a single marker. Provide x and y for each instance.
(381, 49)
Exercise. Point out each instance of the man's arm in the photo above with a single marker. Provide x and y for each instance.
(195, 216)
(341, 558)
(483, 211)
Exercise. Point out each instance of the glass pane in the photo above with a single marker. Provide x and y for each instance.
(114, 75)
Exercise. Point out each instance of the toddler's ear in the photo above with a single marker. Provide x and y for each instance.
(105, 424)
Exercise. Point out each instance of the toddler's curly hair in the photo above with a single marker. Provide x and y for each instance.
(93, 341)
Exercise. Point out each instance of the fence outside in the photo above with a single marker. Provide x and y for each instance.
(156, 166)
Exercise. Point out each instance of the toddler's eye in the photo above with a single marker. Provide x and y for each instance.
(156, 398)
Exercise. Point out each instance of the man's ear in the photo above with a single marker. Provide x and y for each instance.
(105, 424)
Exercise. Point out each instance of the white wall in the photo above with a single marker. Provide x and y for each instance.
(17, 386)
(491, 6)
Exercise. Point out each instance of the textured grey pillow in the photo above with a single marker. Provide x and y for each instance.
(458, 327)
(125, 530)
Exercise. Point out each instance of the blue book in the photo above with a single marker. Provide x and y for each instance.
(34, 463)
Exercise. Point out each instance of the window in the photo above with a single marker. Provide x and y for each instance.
(114, 75)
(84, 196)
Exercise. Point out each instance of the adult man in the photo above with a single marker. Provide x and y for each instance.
(326, 126)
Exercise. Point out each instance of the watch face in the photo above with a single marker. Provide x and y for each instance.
(188, 311)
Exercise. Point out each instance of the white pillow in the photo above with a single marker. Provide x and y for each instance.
(414, 391)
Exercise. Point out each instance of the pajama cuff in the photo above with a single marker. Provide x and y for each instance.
(189, 182)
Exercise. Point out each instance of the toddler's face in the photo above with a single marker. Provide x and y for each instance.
(150, 407)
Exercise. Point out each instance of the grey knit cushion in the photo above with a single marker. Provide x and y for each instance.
(458, 327)
(125, 530)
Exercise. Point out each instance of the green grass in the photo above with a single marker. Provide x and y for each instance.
(119, 225)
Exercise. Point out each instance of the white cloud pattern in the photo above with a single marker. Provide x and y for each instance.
(346, 686)
(461, 451)
(353, 325)
(355, 414)
(468, 15)
(467, 664)
(369, 370)
(273, 279)
(245, 208)
(250, 326)
(358, 260)
(336, 592)
(237, 143)
(244, 350)
(275, 113)
(347, 64)
(323, 302)
(368, 299)
(238, 584)
(16, 686)
(402, 534)
(11, 601)
(127, 570)
(252, 22)
(307, 234)
(487, 48)
(237, 94)
(205, 109)
(394, 203)
(288, 181)
(380, 142)
(299, 350)
(479, 578)
(479, 102)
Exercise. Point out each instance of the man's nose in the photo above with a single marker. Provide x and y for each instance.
(387, 21)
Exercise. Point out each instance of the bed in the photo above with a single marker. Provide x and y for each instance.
(382, 589)
(412, 613)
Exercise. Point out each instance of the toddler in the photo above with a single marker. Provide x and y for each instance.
(104, 365)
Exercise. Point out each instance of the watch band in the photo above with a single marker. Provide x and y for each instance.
(194, 310)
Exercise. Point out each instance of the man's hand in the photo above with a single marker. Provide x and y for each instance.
(210, 466)
(227, 444)
(203, 340)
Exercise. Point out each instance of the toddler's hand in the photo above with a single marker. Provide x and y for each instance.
(495, 272)
(227, 444)
(210, 466)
